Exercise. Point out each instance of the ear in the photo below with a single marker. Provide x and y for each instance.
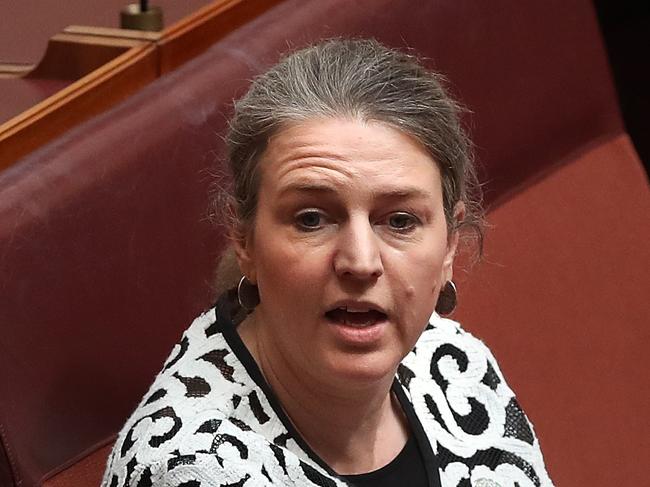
(452, 243)
(244, 252)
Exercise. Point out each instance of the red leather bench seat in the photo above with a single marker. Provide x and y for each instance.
(561, 297)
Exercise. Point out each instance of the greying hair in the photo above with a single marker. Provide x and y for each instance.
(357, 79)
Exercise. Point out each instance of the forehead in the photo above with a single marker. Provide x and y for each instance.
(345, 153)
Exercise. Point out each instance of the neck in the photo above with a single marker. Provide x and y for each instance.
(354, 428)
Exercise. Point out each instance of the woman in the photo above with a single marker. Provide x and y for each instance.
(353, 182)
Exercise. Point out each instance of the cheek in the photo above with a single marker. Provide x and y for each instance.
(286, 270)
(424, 271)
(420, 275)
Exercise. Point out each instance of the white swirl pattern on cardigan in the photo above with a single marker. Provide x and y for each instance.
(206, 423)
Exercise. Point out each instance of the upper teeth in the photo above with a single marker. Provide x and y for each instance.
(354, 310)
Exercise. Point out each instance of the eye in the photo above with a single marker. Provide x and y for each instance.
(402, 222)
(309, 220)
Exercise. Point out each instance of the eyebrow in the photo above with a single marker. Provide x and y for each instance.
(388, 193)
(308, 188)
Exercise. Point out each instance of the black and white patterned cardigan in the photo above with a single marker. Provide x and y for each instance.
(210, 419)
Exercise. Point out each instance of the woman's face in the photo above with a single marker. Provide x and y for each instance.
(349, 249)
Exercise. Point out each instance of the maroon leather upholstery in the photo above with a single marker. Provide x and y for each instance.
(105, 251)
(87, 470)
(561, 298)
(107, 254)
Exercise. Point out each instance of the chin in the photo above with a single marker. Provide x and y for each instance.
(362, 368)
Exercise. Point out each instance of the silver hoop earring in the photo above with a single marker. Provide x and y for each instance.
(247, 294)
(447, 299)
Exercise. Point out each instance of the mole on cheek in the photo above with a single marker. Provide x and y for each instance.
(410, 291)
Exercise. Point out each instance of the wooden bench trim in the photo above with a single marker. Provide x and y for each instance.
(88, 96)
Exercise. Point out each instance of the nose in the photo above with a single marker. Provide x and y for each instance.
(358, 254)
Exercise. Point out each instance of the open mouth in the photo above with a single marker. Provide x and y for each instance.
(359, 318)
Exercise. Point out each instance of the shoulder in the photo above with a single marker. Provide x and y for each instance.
(192, 400)
(441, 331)
(205, 423)
(465, 403)
(446, 350)
(231, 458)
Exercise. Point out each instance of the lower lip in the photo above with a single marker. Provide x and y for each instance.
(358, 335)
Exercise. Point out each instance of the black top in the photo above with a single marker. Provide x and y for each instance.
(416, 459)
(406, 469)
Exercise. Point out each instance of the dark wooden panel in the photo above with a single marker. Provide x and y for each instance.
(77, 102)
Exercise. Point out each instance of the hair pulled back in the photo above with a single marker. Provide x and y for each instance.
(357, 79)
